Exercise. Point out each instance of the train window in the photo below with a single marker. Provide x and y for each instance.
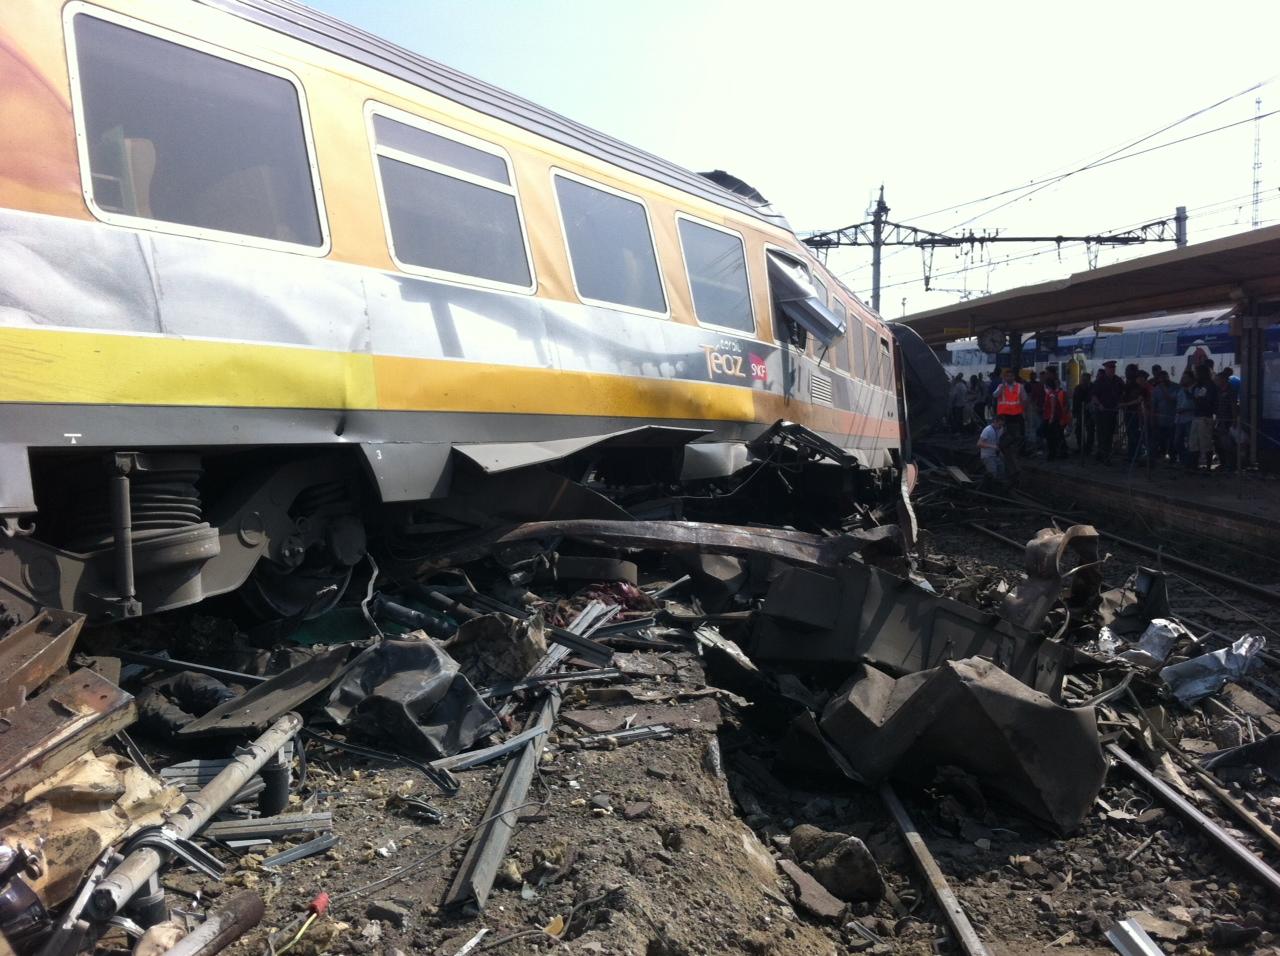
(715, 261)
(841, 345)
(1169, 343)
(858, 359)
(179, 134)
(872, 356)
(821, 287)
(450, 153)
(798, 311)
(611, 247)
(886, 366)
(449, 202)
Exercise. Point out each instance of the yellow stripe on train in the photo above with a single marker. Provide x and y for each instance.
(406, 384)
(68, 367)
(44, 365)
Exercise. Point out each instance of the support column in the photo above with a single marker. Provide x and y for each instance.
(1015, 351)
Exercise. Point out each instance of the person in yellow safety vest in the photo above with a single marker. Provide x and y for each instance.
(1011, 404)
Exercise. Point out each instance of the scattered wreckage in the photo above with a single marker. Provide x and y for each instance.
(895, 675)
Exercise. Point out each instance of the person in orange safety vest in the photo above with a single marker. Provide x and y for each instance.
(1011, 403)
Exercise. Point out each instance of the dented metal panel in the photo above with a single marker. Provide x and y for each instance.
(33, 652)
(47, 733)
(504, 456)
(676, 537)
(890, 622)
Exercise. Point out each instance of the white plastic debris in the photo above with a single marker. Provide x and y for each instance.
(1156, 643)
(1108, 643)
(1207, 674)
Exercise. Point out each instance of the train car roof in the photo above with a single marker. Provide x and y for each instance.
(1144, 323)
(341, 38)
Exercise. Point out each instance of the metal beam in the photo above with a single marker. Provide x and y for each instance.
(474, 880)
(143, 863)
(952, 911)
(797, 547)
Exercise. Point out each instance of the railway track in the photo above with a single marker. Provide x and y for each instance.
(1220, 826)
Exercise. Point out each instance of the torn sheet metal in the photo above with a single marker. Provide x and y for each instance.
(716, 459)
(1193, 680)
(1263, 753)
(69, 718)
(260, 705)
(76, 813)
(804, 441)
(1041, 756)
(530, 494)
(33, 652)
(928, 389)
(1056, 560)
(495, 647)
(1156, 643)
(905, 513)
(1128, 610)
(495, 457)
(412, 692)
(860, 613)
(797, 547)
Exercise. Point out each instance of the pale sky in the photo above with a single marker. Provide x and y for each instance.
(816, 104)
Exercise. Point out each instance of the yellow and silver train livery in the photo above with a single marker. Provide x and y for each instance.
(263, 275)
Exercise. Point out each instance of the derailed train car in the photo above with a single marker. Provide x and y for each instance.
(264, 278)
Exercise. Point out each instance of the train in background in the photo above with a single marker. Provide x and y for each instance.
(1173, 341)
(1166, 340)
(274, 290)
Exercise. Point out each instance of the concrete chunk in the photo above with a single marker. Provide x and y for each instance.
(810, 896)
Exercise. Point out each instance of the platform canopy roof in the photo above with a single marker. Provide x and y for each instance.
(1222, 272)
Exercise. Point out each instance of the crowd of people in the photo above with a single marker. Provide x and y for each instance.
(1145, 417)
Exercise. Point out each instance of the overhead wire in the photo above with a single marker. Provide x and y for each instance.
(1055, 248)
(1117, 159)
(1106, 159)
(1103, 159)
(1209, 209)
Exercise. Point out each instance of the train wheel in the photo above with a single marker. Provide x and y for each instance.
(273, 592)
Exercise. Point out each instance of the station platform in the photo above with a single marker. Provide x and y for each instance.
(1241, 509)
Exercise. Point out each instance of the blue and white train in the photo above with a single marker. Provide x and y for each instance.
(1155, 340)
(1172, 341)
